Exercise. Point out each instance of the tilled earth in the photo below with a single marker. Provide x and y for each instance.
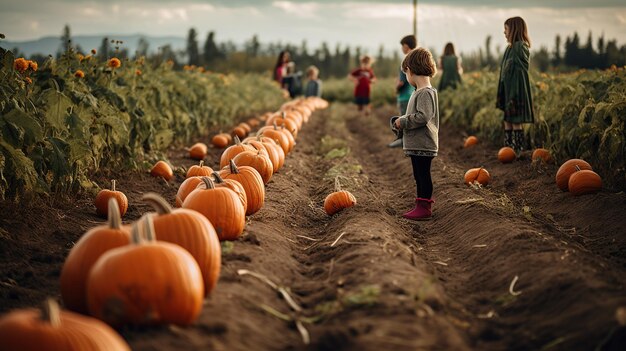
(517, 265)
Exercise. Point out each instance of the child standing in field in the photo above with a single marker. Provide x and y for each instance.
(363, 78)
(403, 88)
(280, 69)
(292, 81)
(420, 128)
(513, 86)
(314, 84)
(450, 65)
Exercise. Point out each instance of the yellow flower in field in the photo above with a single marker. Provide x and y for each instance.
(81, 57)
(33, 65)
(28, 80)
(93, 51)
(114, 62)
(87, 58)
(79, 74)
(20, 64)
(138, 72)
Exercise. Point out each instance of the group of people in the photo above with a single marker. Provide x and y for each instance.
(291, 80)
(417, 125)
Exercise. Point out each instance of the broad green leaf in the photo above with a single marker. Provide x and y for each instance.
(20, 167)
(31, 127)
(58, 104)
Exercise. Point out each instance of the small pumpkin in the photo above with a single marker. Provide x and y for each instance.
(506, 155)
(221, 206)
(163, 170)
(146, 282)
(470, 141)
(258, 161)
(277, 135)
(53, 329)
(93, 244)
(567, 169)
(245, 126)
(239, 132)
(190, 184)
(479, 175)
(102, 200)
(584, 182)
(233, 151)
(198, 151)
(199, 170)
(338, 200)
(252, 183)
(220, 140)
(193, 232)
(253, 122)
(541, 154)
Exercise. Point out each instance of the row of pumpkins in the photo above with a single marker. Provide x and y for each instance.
(575, 175)
(159, 269)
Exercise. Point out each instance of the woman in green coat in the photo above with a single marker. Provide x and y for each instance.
(513, 86)
(450, 66)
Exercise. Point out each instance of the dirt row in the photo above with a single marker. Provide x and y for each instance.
(366, 278)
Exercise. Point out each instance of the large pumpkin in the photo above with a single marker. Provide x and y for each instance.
(233, 151)
(251, 181)
(146, 282)
(199, 170)
(88, 249)
(338, 201)
(189, 185)
(258, 161)
(584, 182)
(567, 169)
(52, 329)
(193, 232)
(270, 151)
(221, 206)
(231, 184)
(479, 175)
(102, 200)
(506, 155)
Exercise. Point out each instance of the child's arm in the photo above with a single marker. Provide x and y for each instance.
(425, 111)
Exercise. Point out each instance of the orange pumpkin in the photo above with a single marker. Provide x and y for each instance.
(230, 184)
(221, 206)
(198, 151)
(245, 126)
(269, 142)
(102, 200)
(146, 282)
(52, 329)
(193, 232)
(290, 137)
(506, 155)
(278, 136)
(239, 132)
(567, 169)
(252, 183)
(541, 154)
(479, 175)
(93, 244)
(584, 182)
(337, 201)
(163, 170)
(258, 161)
(268, 150)
(470, 141)
(253, 122)
(289, 123)
(233, 151)
(186, 188)
(220, 140)
(199, 170)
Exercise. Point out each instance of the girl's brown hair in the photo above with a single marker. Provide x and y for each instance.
(448, 50)
(517, 30)
(420, 62)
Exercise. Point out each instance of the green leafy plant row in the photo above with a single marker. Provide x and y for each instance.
(67, 119)
(577, 115)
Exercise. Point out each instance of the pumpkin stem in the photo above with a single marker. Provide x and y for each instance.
(577, 168)
(114, 214)
(157, 202)
(283, 114)
(51, 312)
(201, 163)
(218, 178)
(208, 182)
(113, 185)
(337, 184)
(135, 234)
(233, 167)
(237, 140)
(149, 230)
(275, 126)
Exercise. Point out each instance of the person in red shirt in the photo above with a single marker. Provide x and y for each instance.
(363, 78)
(280, 69)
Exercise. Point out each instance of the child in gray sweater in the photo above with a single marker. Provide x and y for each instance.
(420, 128)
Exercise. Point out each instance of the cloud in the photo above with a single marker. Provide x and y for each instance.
(299, 9)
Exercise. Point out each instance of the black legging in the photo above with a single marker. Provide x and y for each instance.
(421, 172)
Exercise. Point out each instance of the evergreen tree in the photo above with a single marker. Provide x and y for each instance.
(557, 51)
(103, 52)
(66, 41)
(192, 47)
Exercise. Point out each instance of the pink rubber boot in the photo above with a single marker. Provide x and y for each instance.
(422, 210)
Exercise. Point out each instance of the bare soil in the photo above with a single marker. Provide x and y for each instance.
(366, 278)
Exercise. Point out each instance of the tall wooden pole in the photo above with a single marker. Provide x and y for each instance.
(415, 19)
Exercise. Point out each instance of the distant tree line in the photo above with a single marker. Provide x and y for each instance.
(253, 56)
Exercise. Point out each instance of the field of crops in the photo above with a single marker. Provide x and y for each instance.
(293, 238)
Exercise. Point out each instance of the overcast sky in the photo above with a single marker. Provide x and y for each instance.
(368, 24)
